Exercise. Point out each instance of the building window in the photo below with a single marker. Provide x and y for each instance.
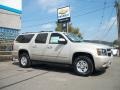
(8, 33)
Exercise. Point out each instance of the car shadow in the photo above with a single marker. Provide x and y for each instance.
(98, 73)
(54, 68)
(58, 68)
(15, 63)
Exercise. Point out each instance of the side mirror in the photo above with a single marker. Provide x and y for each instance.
(62, 41)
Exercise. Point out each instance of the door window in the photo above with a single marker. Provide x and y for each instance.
(41, 38)
(24, 38)
(55, 38)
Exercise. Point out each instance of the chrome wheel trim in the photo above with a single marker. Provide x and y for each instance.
(24, 61)
(82, 66)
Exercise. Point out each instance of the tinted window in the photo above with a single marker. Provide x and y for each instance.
(74, 38)
(41, 38)
(55, 38)
(24, 38)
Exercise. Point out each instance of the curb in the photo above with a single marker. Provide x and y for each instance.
(5, 58)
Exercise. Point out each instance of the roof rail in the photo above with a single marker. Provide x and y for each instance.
(46, 31)
(28, 32)
(36, 32)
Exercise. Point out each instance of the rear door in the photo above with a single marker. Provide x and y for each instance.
(38, 47)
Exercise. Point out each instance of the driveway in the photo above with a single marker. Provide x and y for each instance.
(56, 77)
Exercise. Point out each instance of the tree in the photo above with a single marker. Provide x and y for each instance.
(71, 29)
(115, 42)
(59, 27)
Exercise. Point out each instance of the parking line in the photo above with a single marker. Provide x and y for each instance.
(23, 80)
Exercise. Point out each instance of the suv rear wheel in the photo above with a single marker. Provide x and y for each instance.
(83, 65)
(24, 60)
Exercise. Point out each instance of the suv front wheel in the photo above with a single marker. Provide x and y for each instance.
(83, 65)
(24, 60)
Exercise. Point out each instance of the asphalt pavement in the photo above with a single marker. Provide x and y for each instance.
(56, 77)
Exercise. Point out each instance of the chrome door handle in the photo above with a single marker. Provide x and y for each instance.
(49, 47)
(35, 46)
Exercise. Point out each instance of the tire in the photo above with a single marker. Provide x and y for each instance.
(83, 66)
(24, 60)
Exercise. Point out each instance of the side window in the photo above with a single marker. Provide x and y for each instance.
(54, 39)
(41, 38)
(24, 38)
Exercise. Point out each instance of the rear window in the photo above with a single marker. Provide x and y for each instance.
(24, 38)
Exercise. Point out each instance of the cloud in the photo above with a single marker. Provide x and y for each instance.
(107, 30)
(52, 10)
(48, 27)
(51, 5)
(108, 24)
(96, 33)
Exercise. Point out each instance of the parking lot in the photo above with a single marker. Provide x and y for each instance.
(56, 77)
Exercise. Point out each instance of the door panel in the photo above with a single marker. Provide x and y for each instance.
(56, 52)
(37, 51)
(39, 46)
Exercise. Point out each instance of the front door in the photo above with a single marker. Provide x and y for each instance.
(56, 52)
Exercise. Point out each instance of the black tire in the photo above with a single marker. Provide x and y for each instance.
(28, 61)
(88, 65)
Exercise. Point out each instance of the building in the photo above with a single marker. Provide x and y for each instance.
(10, 21)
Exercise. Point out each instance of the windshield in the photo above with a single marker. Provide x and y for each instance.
(74, 38)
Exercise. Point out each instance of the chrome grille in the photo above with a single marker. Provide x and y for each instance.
(109, 53)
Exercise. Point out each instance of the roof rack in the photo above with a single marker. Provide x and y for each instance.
(29, 32)
(36, 32)
(46, 31)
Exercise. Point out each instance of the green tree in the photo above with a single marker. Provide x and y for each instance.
(59, 27)
(71, 29)
(115, 42)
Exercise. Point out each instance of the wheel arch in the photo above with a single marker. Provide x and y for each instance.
(83, 54)
(21, 51)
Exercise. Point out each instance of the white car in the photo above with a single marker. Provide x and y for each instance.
(64, 48)
(115, 52)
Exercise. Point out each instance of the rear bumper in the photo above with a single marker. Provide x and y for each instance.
(102, 62)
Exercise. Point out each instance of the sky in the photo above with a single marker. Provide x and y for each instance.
(96, 19)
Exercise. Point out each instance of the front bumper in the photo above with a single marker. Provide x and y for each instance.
(102, 62)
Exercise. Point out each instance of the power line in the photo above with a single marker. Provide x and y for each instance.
(37, 19)
(101, 22)
(109, 18)
(93, 11)
(39, 24)
(96, 1)
(83, 9)
(103, 12)
(110, 28)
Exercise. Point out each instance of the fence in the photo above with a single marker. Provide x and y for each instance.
(6, 48)
(6, 45)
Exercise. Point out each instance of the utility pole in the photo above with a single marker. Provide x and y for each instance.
(117, 5)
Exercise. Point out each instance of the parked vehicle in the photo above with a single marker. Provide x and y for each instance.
(64, 48)
(115, 51)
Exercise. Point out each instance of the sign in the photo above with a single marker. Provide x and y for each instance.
(63, 14)
(11, 5)
(54, 39)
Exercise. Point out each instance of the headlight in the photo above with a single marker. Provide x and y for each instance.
(102, 52)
